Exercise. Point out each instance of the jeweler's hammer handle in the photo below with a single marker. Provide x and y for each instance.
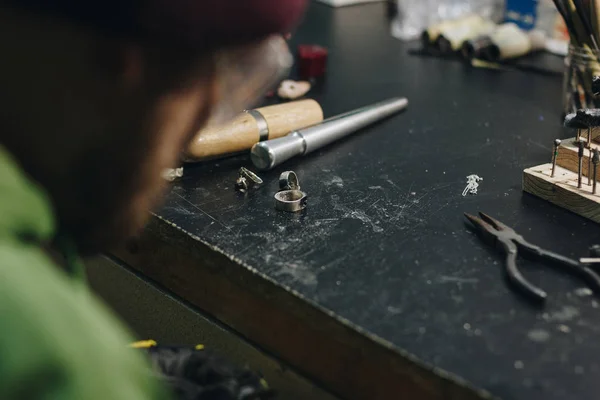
(252, 126)
(268, 154)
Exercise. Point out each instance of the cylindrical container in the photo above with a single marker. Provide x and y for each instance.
(475, 48)
(422, 17)
(581, 65)
(451, 39)
(251, 127)
(312, 61)
(510, 41)
(432, 36)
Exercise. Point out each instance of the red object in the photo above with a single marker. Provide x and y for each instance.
(312, 61)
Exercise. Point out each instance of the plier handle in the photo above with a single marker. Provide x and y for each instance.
(510, 242)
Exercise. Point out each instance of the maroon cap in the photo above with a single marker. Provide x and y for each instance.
(187, 22)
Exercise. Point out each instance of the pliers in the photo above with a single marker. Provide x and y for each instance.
(506, 239)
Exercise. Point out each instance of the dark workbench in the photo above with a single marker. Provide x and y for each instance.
(378, 290)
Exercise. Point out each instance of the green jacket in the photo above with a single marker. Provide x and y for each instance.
(56, 340)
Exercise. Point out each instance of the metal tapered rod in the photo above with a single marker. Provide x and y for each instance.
(595, 160)
(590, 169)
(580, 154)
(555, 156)
(589, 146)
(270, 153)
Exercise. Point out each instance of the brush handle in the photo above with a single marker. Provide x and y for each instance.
(585, 19)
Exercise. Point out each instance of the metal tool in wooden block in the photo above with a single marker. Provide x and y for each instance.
(560, 182)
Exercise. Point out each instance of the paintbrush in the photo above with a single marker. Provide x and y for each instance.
(564, 13)
(581, 10)
(581, 18)
(595, 16)
(577, 23)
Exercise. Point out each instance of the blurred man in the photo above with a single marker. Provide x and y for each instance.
(97, 98)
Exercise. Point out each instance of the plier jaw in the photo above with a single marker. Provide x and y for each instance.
(487, 231)
(506, 239)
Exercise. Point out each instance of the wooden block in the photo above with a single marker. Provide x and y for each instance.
(568, 157)
(595, 134)
(562, 190)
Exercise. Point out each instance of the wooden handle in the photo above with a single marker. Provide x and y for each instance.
(243, 132)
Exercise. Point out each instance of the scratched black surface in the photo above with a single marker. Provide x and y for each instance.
(383, 242)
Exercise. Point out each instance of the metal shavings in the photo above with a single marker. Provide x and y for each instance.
(519, 364)
(170, 174)
(567, 313)
(584, 292)
(472, 184)
(538, 335)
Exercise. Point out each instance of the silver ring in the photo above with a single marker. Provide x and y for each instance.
(290, 200)
(261, 122)
(288, 180)
(246, 173)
